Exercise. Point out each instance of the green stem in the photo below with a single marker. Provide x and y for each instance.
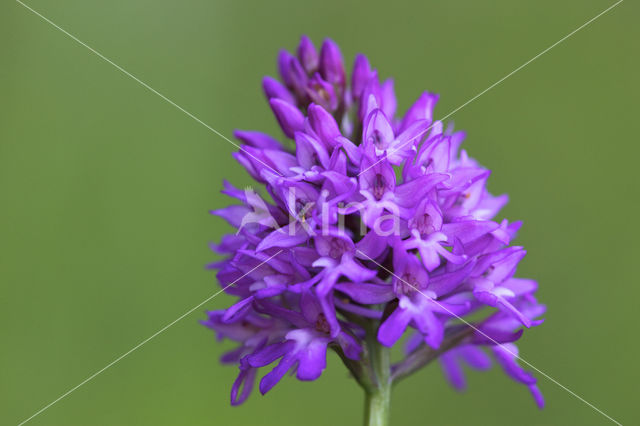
(378, 398)
(377, 407)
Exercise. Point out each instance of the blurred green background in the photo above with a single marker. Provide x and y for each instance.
(105, 190)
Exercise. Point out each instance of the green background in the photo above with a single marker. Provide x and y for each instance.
(105, 190)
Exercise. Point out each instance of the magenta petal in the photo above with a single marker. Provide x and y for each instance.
(284, 67)
(307, 54)
(288, 236)
(377, 131)
(329, 311)
(310, 151)
(274, 89)
(353, 270)
(289, 117)
(324, 125)
(238, 310)
(491, 336)
(392, 329)
(410, 193)
(232, 214)
(357, 309)
(475, 357)
(322, 93)
(431, 327)
(352, 150)
(245, 380)
(309, 306)
(257, 139)
(349, 345)
(422, 109)
(410, 134)
(372, 245)
(453, 370)
(268, 354)
(361, 75)
(388, 98)
(313, 359)
(537, 396)
(506, 355)
(468, 230)
(520, 286)
(331, 66)
(273, 377)
(446, 282)
(368, 294)
(377, 178)
(505, 267)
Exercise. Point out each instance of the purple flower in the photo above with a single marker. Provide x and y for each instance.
(304, 347)
(452, 361)
(371, 226)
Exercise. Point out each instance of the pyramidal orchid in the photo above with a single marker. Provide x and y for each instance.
(374, 230)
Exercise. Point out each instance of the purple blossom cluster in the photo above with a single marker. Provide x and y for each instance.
(375, 229)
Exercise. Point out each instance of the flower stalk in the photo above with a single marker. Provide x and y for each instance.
(377, 409)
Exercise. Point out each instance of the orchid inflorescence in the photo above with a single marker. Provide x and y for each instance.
(373, 228)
